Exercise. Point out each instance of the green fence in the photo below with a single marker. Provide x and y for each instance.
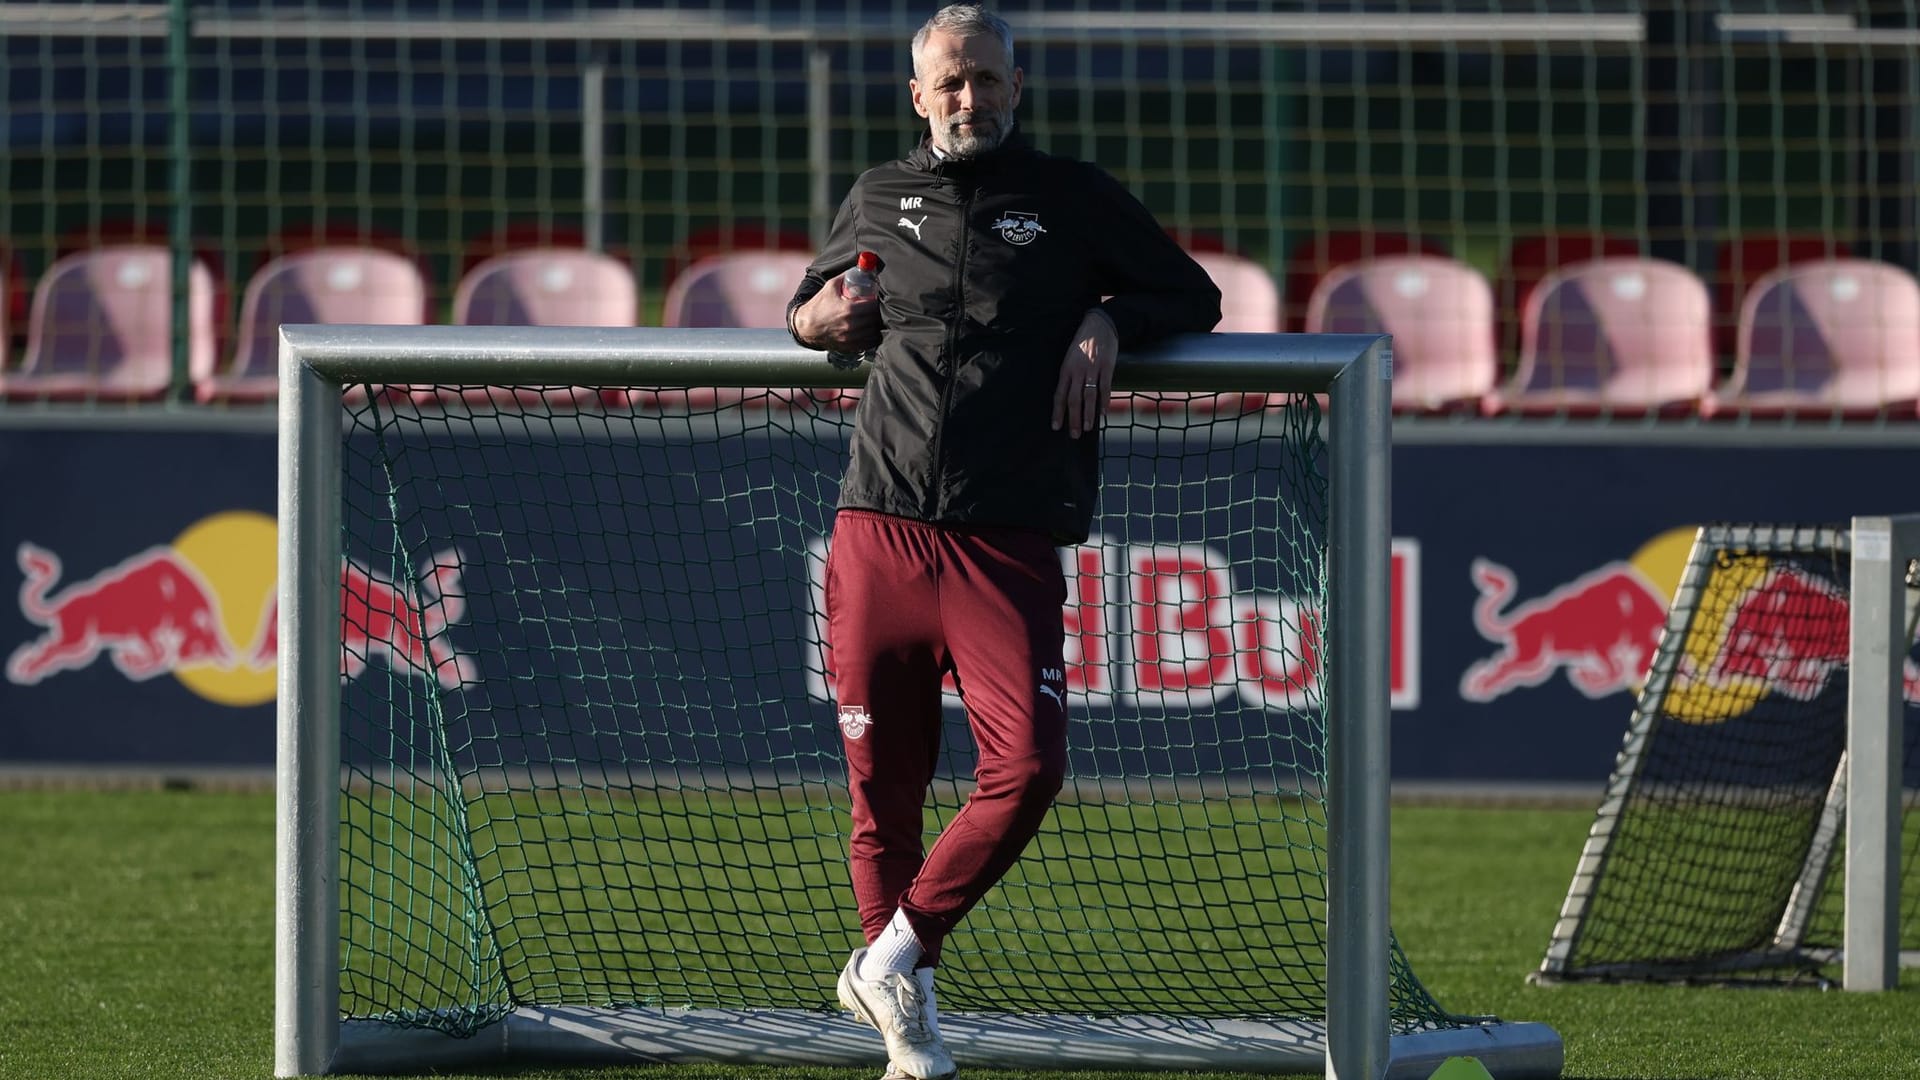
(1511, 136)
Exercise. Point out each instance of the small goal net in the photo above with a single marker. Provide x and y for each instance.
(1719, 852)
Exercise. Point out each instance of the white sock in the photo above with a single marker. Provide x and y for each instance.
(896, 949)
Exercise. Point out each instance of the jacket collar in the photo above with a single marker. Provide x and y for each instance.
(925, 159)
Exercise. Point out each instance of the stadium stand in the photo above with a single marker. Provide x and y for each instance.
(1440, 313)
(1834, 337)
(101, 327)
(1613, 336)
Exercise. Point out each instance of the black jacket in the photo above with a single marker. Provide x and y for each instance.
(987, 267)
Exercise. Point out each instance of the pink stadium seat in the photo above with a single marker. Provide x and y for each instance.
(1249, 298)
(547, 287)
(317, 285)
(1741, 261)
(1529, 259)
(1616, 335)
(746, 289)
(1836, 337)
(1320, 253)
(1440, 313)
(101, 326)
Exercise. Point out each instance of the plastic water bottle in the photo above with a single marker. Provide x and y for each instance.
(858, 283)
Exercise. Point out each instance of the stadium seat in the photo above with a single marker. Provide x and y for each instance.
(317, 285)
(1440, 313)
(547, 287)
(1741, 261)
(743, 289)
(1529, 259)
(101, 327)
(1249, 299)
(1609, 336)
(748, 289)
(1321, 252)
(1834, 337)
(120, 231)
(735, 238)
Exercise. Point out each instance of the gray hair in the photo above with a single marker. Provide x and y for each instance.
(964, 20)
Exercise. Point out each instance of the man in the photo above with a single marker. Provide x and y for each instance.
(973, 455)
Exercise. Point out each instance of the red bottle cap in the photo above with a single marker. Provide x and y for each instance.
(869, 261)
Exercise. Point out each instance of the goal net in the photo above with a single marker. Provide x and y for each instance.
(584, 780)
(1719, 853)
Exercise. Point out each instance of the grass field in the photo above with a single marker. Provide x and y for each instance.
(136, 941)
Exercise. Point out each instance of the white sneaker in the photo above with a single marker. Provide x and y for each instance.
(925, 975)
(902, 1010)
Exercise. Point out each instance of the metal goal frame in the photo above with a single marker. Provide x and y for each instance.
(310, 1037)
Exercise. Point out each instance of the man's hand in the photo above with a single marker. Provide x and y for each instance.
(837, 323)
(1086, 375)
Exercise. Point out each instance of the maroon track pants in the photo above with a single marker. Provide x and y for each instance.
(906, 602)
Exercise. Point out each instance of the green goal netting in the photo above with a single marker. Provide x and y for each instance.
(588, 757)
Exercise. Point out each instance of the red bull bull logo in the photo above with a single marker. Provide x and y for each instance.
(1789, 634)
(1601, 629)
(204, 609)
(150, 615)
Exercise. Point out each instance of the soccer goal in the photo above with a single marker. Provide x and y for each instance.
(559, 771)
(1759, 824)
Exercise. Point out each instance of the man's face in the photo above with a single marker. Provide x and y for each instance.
(963, 88)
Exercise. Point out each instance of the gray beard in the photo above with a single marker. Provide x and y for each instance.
(961, 147)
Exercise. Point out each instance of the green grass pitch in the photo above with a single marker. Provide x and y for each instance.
(136, 941)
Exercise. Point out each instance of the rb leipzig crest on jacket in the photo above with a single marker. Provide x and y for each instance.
(1019, 228)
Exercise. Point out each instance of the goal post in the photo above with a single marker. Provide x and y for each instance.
(479, 866)
(1754, 829)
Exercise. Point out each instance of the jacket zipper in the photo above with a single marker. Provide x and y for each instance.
(937, 490)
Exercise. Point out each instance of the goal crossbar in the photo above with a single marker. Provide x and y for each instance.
(1351, 371)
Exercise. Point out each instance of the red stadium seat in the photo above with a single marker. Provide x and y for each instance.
(102, 327)
(1440, 313)
(1837, 337)
(1621, 335)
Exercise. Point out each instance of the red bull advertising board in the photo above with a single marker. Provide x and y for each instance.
(1524, 611)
